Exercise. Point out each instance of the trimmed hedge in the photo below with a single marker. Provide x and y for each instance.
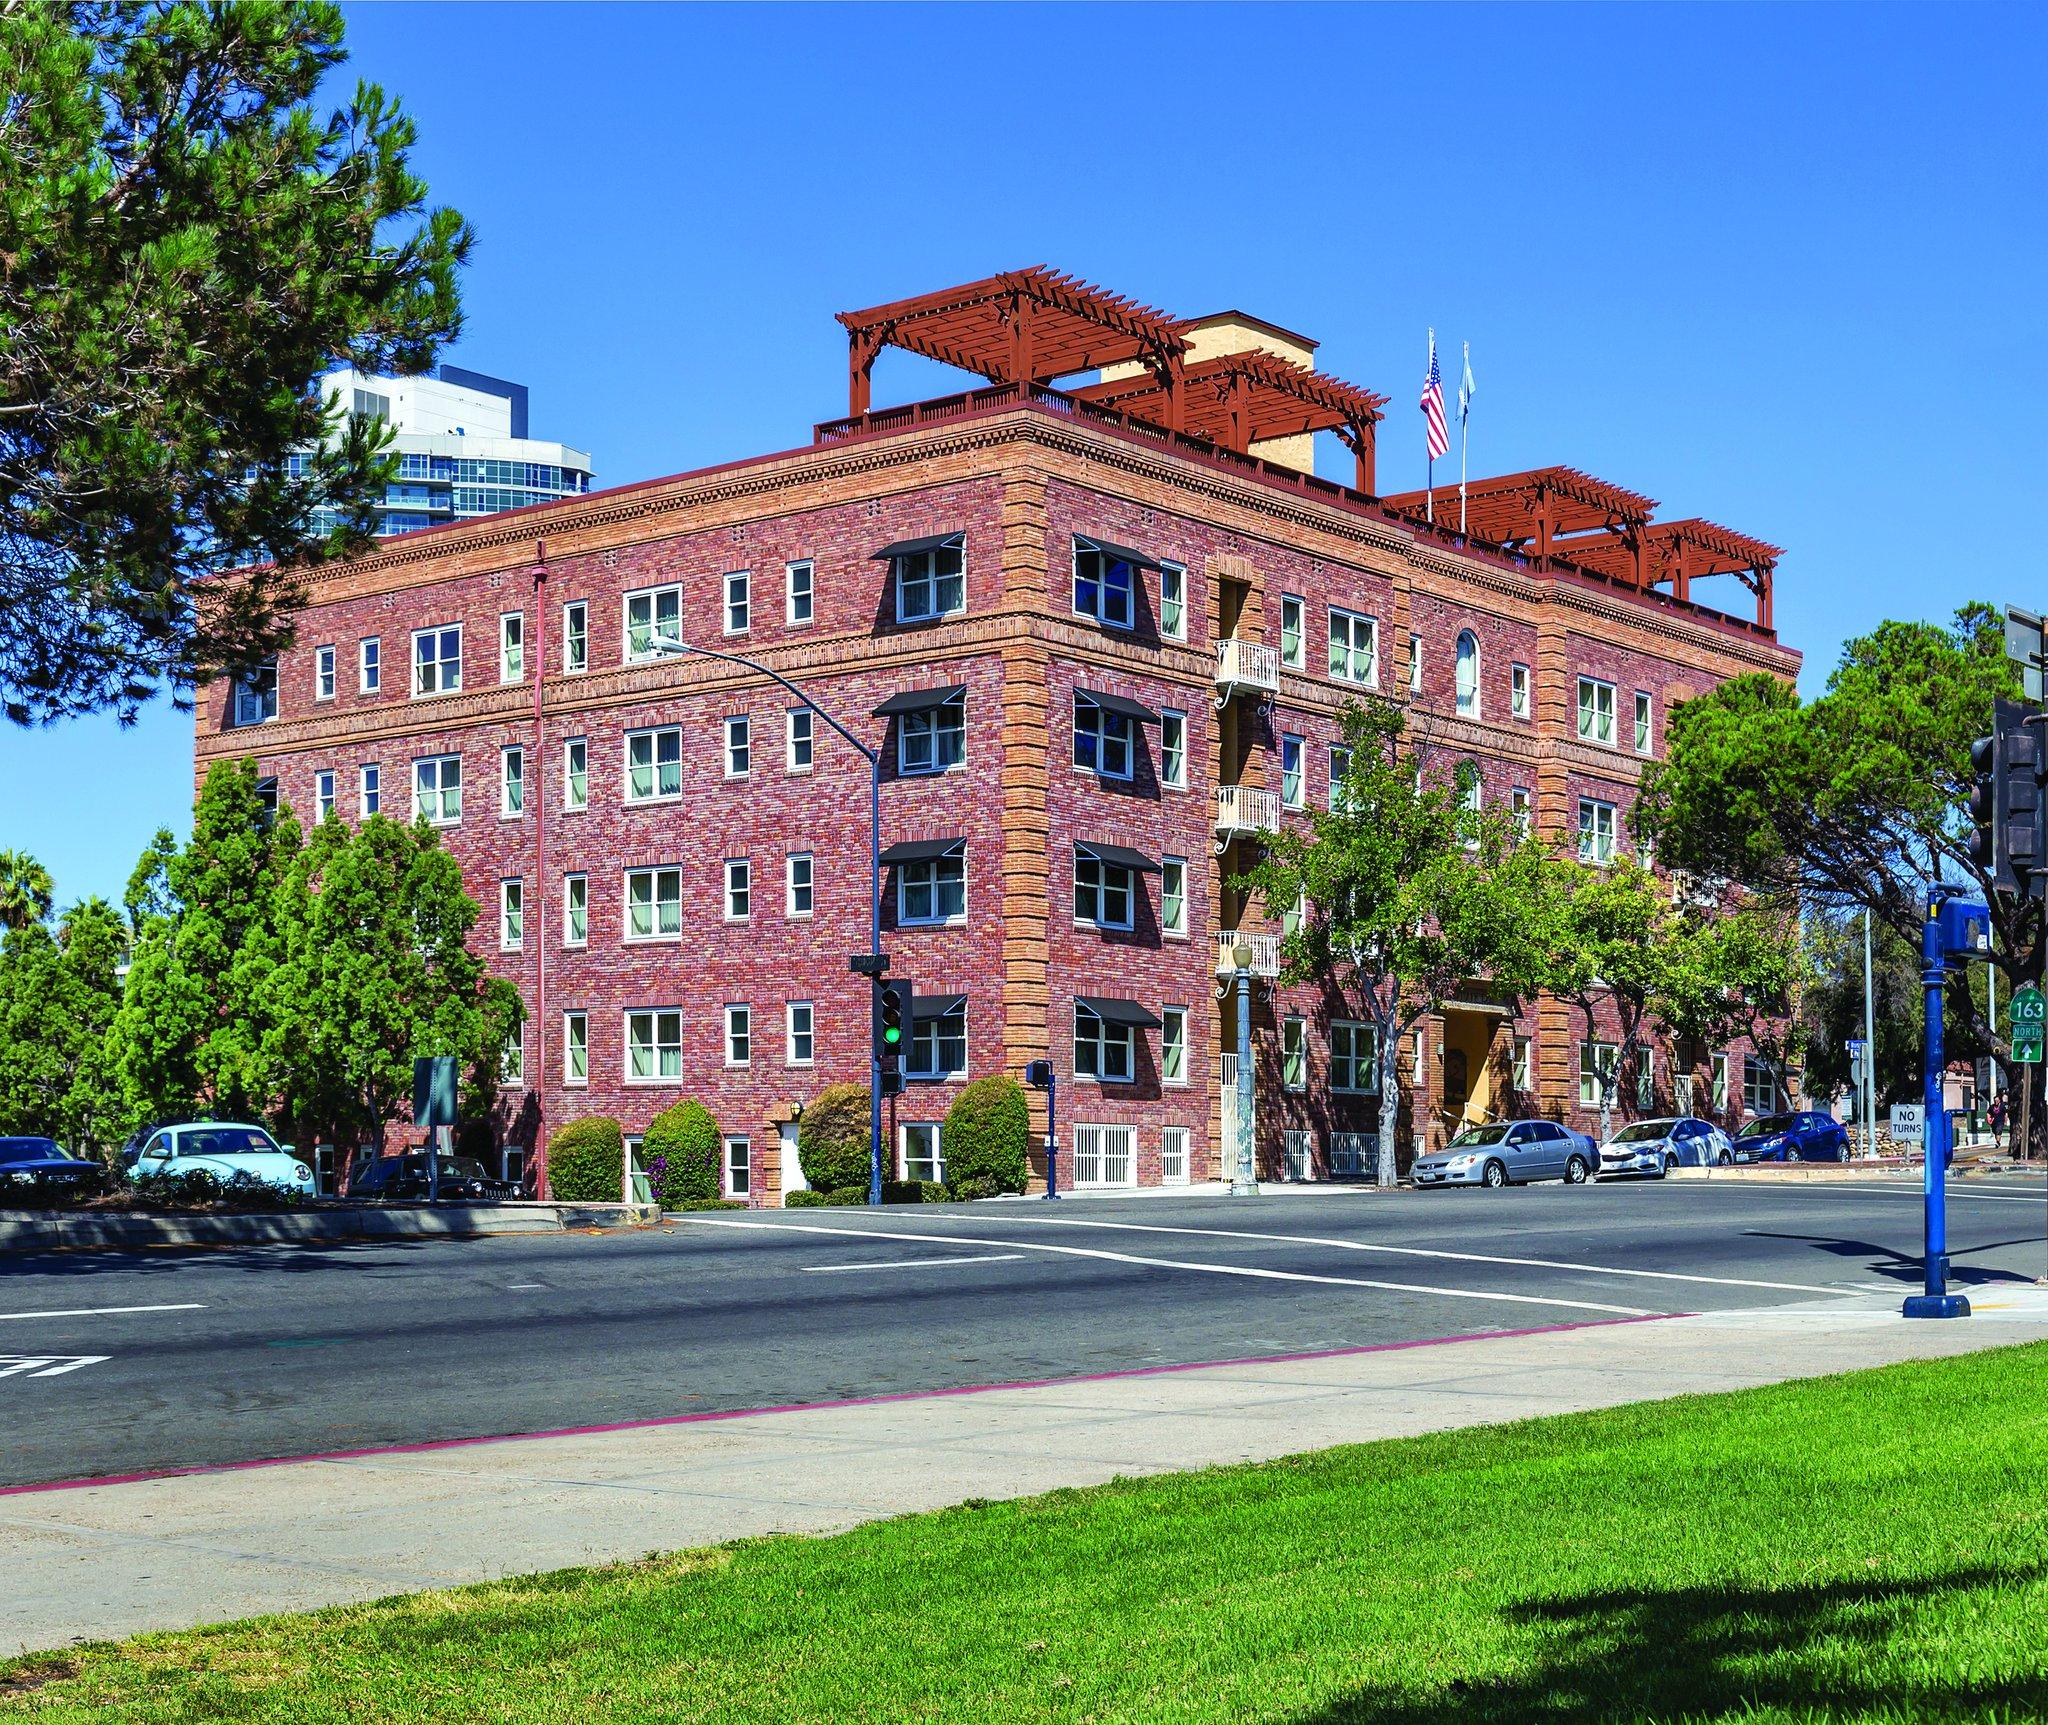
(987, 1135)
(832, 1138)
(680, 1154)
(587, 1162)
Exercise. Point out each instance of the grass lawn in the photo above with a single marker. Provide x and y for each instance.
(1864, 1547)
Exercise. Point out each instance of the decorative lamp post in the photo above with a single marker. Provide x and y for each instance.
(1244, 1179)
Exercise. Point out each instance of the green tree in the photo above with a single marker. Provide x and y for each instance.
(25, 890)
(987, 1136)
(685, 1138)
(1408, 894)
(186, 245)
(59, 991)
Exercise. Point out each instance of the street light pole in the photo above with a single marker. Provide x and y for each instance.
(661, 644)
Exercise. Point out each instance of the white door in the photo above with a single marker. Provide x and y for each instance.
(792, 1172)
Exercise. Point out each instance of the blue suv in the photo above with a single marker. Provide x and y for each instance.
(1792, 1138)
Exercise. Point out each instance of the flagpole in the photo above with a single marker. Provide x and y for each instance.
(1464, 432)
(1429, 482)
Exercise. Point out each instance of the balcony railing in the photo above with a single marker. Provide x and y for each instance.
(1246, 665)
(1246, 809)
(1265, 954)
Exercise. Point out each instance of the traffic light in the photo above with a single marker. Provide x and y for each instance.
(892, 1020)
(2008, 836)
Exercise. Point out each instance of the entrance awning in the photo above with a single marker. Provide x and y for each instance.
(1113, 1011)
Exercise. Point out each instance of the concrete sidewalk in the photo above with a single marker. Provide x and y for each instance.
(109, 1560)
(320, 1223)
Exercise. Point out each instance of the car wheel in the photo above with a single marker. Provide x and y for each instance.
(1493, 1174)
(1670, 1162)
(1791, 1155)
(1575, 1171)
(1723, 1160)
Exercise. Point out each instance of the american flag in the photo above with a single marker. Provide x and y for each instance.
(1433, 406)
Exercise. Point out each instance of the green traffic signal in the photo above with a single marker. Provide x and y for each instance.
(892, 1033)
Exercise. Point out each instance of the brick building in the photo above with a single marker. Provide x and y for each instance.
(1101, 635)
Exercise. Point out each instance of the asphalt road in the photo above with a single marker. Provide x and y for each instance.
(206, 1357)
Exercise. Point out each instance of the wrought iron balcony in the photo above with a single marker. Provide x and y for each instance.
(1265, 952)
(1246, 665)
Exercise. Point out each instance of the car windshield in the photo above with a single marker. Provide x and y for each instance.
(463, 1168)
(1644, 1132)
(1767, 1125)
(28, 1149)
(228, 1141)
(1478, 1136)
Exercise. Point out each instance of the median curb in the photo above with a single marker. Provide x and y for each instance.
(87, 1232)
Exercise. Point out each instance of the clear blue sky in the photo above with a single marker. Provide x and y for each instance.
(1780, 266)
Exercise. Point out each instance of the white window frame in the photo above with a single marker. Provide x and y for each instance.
(739, 1034)
(511, 914)
(1758, 1079)
(323, 673)
(369, 789)
(323, 793)
(511, 646)
(1173, 900)
(656, 901)
(440, 765)
(1173, 601)
(739, 889)
(576, 636)
(657, 733)
(799, 884)
(1717, 1083)
(575, 774)
(1173, 1040)
(1173, 748)
(1294, 1053)
(929, 1030)
(1095, 1039)
(1596, 712)
(576, 1048)
(1100, 611)
(1596, 1064)
(933, 874)
(1100, 729)
(1646, 722)
(736, 1164)
(512, 1067)
(1467, 686)
(655, 631)
(799, 592)
(927, 575)
(1104, 1155)
(937, 732)
(800, 1033)
(1346, 655)
(1597, 826)
(738, 745)
(799, 740)
(1100, 883)
(1414, 663)
(575, 909)
(1354, 1058)
(737, 611)
(1293, 771)
(511, 782)
(659, 1020)
(1522, 806)
(370, 665)
(1293, 624)
(934, 1158)
(1340, 766)
(1518, 690)
(1646, 1080)
(438, 662)
(256, 695)
(1522, 1070)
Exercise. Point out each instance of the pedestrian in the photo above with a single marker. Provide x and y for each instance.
(1996, 1113)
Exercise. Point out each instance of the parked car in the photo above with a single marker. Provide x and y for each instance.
(222, 1149)
(1804, 1137)
(406, 1178)
(46, 1168)
(1655, 1147)
(1510, 1153)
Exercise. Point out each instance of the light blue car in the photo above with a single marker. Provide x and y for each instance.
(223, 1149)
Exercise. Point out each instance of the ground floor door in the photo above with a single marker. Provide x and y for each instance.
(792, 1173)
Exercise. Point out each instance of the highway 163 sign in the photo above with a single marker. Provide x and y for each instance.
(2029, 1018)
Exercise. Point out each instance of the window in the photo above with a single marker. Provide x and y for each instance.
(797, 585)
(370, 789)
(738, 1158)
(1718, 1085)
(1104, 584)
(576, 636)
(1173, 601)
(1294, 916)
(256, 695)
(1518, 690)
(1646, 1079)
(512, 781)
(932, 739)
(1104, 1156)
(266, 797)
(1596, 1068)
(931, 583)
(511, 647)
(437, 790)
(323, 795)
(739, 1035)
(370, 664)
(797, 896)
(739, 746)
(1759, 1086)
(575, 909)
(1103, 892)
(1173, 1044)
(653, 615)
(1414, 664)
(1524, 1071)
(512, 1067)
(1294, 1054)
(437, 661)
(938, 1042)
(796, 748)
(739, 889)
(1471, 788)
(1522, 809)
(1681, 1092)
(654, 764)
(1173, 895)
(1102, 740)
(1291, 609)
(1643, 710)
(1354, 647)
(923, 1158)
(1173, 748)
(1102, 1048)
(1468, 674)
(1352, 1066)
(654, 903)
(1291, 748)
(738, 601)
(1596, 831)
(511, 915)
(1173, 1155)
(654, 1046)
(1340, 770)
(1596, 710)
(799, 1042)
(933, 889)
(323, 673)
(575, 1048)
(576, 773)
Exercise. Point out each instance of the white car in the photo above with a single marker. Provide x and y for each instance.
(223, 1149)
(1655, 1147)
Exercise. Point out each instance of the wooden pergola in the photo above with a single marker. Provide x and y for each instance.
(1545, 511)
(1682, 552)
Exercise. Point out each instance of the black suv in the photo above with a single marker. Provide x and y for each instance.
(407, 1178)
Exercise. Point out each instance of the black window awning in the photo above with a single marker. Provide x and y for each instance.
(1112, 1011)
(920, 850)
(1118, 856)
(921, 700)
(1115, 553)
(1117, 704)
(911, 547)
(935, 1005)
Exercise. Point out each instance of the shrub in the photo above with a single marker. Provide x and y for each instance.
(987, 1134)
(832, 1138)
(680, 1154)
(903, 1192)
(842, 1196)
(805, 1200)
(587, 1162)
(968, 1191)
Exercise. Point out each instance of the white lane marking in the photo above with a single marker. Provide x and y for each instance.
(1245, 1270)
(1429, 1252)
(53, 1365)
(913, 1263)
(103, 1311)
(1914, 1192)
(526, 1288)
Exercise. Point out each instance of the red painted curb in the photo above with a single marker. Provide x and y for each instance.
(658, 1421)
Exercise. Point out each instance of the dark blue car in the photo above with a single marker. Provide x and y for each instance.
(1802, 1137)
(42, 1166)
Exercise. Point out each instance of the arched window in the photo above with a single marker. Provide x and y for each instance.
(1468, 674)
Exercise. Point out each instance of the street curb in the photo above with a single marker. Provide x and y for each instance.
(98, 1233)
